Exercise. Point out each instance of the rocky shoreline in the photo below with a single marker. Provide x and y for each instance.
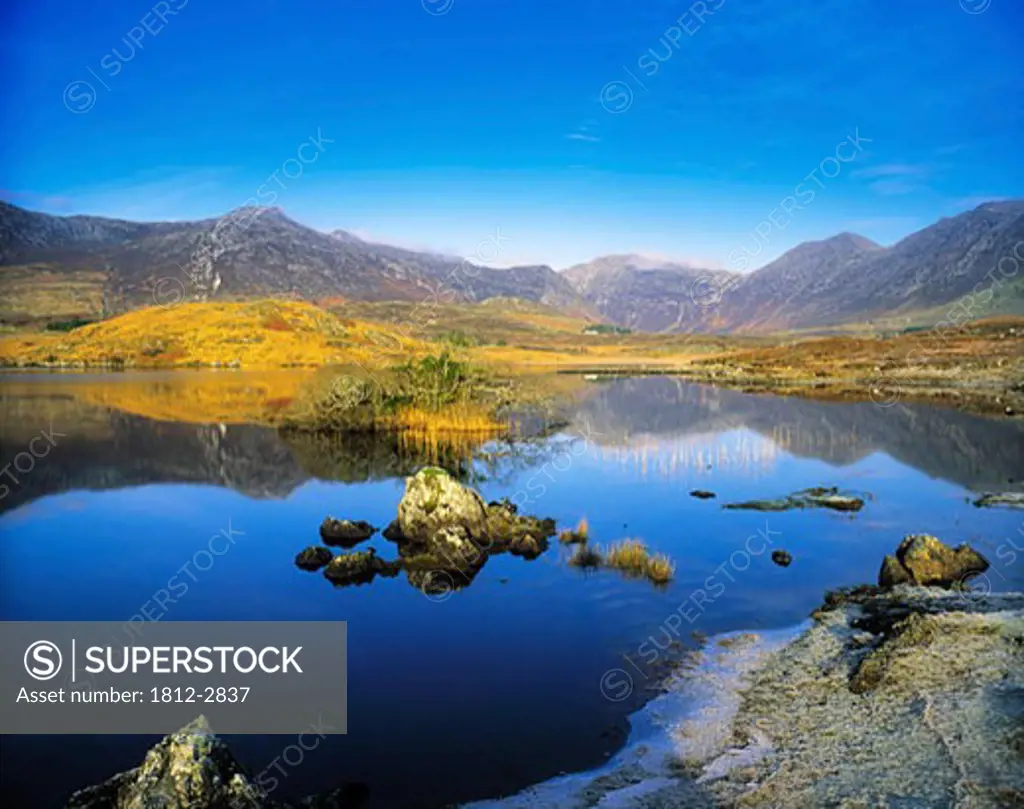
(895, 695)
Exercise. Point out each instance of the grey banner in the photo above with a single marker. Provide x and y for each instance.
(108, 677)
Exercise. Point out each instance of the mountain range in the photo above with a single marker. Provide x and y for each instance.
(53, 267)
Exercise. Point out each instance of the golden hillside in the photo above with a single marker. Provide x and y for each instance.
(260, 334)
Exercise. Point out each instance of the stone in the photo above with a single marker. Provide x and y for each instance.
(782, 558)
(433, 501)
(927, 561)
(191, 767)
(345, 532)
(314, 557)
(361, 567)
(1008, 499)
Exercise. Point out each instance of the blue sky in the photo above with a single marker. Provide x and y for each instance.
(572, 127)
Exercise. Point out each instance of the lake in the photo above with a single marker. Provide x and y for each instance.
(482, 691)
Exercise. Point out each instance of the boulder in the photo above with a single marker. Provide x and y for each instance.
(191, 767)
(924, 560)
(314, 557)
(361, 567)
(345, 532)
(433, 501)
(194, 769)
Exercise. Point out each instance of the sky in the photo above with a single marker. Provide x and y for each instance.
(719, 132)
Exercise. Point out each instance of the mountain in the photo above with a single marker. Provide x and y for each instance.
(646, 295)
(844, 279)
(87, 266)
(54, 267)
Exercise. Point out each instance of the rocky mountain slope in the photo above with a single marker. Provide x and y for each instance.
(844, 279)
(115, 265)
(85, 266)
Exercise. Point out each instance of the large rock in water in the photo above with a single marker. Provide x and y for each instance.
(189, 768)
(437, 508)
(924, 560)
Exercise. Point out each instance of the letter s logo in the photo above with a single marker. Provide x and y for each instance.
(43, 660)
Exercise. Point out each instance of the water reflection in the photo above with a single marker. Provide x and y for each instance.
(661, 426)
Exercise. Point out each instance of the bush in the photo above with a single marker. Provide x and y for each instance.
(68, 325)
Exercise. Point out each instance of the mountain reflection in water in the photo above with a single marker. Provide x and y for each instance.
(655, 424)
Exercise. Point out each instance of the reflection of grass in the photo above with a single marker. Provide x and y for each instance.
(586, 557)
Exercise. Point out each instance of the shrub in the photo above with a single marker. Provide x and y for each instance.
(68, 325)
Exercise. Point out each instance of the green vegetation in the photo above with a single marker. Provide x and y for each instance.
(434, 392)
(604, 328)
(68, 325)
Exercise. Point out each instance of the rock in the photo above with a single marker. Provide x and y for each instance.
(818, 497)
(190, 768)
(361, 567)
(1009, 499)
(924, 560)
(433, 501)
(519, 534)
(314, 557)
(782, 558)
(345, 532)
(194, 769)
(393, 532)
(893, 573)
(701, 494)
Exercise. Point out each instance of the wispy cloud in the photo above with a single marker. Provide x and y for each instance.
(895, 187)
(889, 170)
(895, 179)
(587, 131)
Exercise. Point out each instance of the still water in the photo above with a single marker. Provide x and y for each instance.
(497, 685)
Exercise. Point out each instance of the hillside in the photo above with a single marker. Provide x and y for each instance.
(844, 279)
(261, 334)
(60, 267)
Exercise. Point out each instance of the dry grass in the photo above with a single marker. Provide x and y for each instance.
(661, 569)
(577, 535)
(630, 556)
(260, 334)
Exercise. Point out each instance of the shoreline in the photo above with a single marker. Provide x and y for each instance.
(788, 718)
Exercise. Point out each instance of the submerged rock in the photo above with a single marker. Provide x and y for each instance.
(1008, 499)
(345, 532)
(922, 559)
(361, 567)
(314, 557)
(782, 558)
(818, 497)
(701, 494)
